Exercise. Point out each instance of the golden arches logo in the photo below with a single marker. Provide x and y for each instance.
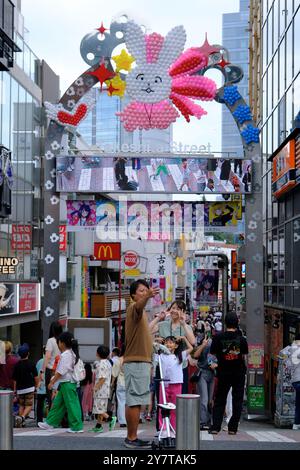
(106, 250)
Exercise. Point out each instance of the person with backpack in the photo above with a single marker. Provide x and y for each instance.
(294, 360)
(230, 348)
(66, 399)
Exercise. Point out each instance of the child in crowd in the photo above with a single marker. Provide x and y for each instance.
(118, 376)
(87, 392)
(173, 372)
(66, 399)
(41, 391)
(26, 380)
(102, 390)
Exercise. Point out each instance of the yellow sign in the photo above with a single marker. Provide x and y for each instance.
(132, 272)
(204, 308)
(179, 262)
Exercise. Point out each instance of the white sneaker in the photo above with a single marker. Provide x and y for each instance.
(296, 427)
(44, 425)
(74, 432)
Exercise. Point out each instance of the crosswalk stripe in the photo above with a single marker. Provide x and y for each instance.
(41, 432)
(157, 184)
(108, 179)
(176, 175)
(117, 433)
(268, 436)
(85, 179)
(205, 436)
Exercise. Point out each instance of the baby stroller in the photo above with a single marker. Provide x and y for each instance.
(166, 436)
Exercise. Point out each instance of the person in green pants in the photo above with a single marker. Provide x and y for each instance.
(66, 399)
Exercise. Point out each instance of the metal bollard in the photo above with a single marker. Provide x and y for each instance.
(6, 420)
(188, 422)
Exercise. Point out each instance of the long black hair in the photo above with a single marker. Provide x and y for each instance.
(71, 343)
(88, 374)
(180, 348)
(55, 330)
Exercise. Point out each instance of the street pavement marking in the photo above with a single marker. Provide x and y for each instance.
(132, 174)
(117, 433)
(157, 184)
(41, 432)
(176, 175)
(108, 179)
(85, 179)
(269, 436)
(205, 436)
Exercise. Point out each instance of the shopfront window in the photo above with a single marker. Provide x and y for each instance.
(269, 257)
(281, 266)
(296, 265)
(275, 257)
(297, 43)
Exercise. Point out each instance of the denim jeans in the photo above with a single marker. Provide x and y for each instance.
(296, 386)
(206, 390)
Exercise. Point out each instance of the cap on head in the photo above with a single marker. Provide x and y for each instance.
(23, 350)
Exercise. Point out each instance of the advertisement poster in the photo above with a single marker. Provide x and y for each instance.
(121, 220)
(9, 301)
(29, 298)
(256, 397)
(81, 213)
(110, 173)
(256, 356)
(284, 174)
(207, 285)
(21, 238)
(222, 214)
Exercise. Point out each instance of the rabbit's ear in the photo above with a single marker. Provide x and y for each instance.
(173, 46)
(135, 41)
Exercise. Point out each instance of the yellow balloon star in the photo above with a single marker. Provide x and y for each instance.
(116, 86)
(123, 61)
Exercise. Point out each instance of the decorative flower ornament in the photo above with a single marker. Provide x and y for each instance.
(162, 79)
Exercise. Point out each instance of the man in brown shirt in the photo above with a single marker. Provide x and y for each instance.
(137, 360)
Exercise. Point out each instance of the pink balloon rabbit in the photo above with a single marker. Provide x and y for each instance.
(162, 78)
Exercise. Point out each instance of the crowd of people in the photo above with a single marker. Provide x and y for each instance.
(124, 385)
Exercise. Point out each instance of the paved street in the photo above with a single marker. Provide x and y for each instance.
(252, 436)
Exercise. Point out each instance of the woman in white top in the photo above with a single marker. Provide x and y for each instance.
(66, 399)
(51, 355)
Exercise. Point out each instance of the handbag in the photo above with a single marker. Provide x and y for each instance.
(195, 377)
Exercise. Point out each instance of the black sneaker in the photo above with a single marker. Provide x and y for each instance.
(137, 444)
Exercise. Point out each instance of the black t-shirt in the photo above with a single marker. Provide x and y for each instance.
(229, 348)
(24, 374)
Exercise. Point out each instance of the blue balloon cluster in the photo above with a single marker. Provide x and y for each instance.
(231, 94)
(242, 114)
(250, 134)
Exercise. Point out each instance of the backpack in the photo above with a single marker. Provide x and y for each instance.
(79, 371)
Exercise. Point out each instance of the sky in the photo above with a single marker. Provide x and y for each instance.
(56, 27)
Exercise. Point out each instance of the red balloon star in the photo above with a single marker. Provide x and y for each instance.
(207, 49)
(111, 89)
(223, 63)
(102, 74)
(101, 29)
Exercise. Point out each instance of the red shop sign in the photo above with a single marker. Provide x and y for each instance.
(29, 298)
(21, 237)
(62, 237)
(131, 259)
(107, 251)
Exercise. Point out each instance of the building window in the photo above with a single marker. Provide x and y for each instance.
(297, 43)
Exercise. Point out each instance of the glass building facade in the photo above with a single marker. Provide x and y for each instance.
(235, 38)
(281, 217)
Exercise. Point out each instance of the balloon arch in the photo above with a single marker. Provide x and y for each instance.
(186, 82)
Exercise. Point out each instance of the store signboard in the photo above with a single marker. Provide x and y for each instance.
(21, 238)
(130, 259)
(29, 298)
(8, 265)
(107, 251)
(160, 173)
(255, 397)
(283, 174)
(236, 272)
(9, 298)
(161, 221)
(62, 237)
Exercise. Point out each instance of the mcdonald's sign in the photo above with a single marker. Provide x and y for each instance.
(107, 251)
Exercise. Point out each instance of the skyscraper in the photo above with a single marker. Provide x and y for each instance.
(235, 38)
